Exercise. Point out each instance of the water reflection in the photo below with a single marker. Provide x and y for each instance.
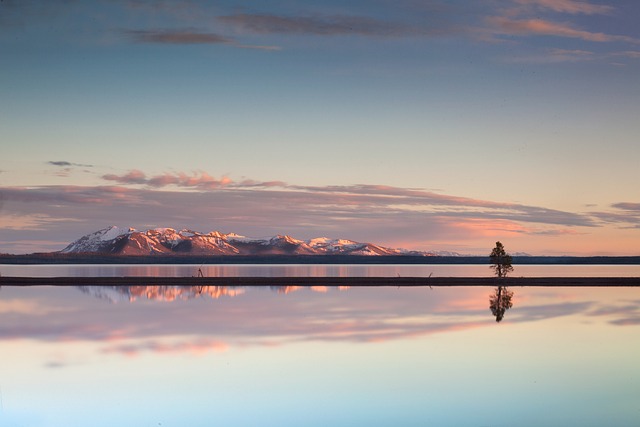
(173, 293)
(500, 302)
(316, 357)
(159, 293)
(310, 270)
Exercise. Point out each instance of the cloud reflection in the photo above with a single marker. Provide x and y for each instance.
(210, 320)
(198, 346)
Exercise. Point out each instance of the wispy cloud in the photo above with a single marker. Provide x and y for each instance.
(633, 54)
(320, 25)
(541, 27)
(189, 37)
(352, 197)
(625, 215)
(176, 37)
(200, 180)
(381, 214)
(64, 163)
(568, 6)
(541, 18)
(632, 207)
(552, 56)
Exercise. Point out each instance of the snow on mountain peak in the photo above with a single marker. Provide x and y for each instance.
(110, 233)
(158, 241)
(93, 242)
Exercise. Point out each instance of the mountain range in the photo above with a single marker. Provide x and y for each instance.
(168, 241)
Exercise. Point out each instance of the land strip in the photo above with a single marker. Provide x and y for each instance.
(319, 281)
(60, 258)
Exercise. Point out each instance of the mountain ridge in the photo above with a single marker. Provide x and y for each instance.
(168, 241)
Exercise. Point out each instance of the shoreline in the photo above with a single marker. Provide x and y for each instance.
(321, 281)
(104, 259)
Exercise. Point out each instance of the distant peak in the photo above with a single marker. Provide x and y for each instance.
(161, 240)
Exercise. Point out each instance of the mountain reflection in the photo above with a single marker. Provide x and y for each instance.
(174, 293)
(159, 293)
(500, 302)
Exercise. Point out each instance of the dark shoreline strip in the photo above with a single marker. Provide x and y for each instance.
(319, 281)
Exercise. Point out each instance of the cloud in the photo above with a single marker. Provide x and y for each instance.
(541, 27)
(559, 232)
(633, 54)
(176, 37)
(568, 6)
(132, 177)
(29, 222)
(64, 163)
(630, 321)
(632, 207)
(200, 180)
(374, 213)
(347, 202)
(257, 47)
(319, 25)
(183, 37)
(555, 55)
(626, 214)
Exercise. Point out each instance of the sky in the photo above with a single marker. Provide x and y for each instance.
(428, 125)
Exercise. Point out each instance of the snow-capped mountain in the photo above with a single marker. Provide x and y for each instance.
(159, 241)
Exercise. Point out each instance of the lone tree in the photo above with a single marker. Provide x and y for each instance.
(500, 261)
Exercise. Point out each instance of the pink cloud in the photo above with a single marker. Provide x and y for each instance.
(133, 177)
(568, 6)
(200, 180)
(369, 213)
(524, 27)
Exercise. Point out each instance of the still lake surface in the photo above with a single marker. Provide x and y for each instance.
(311, 270)
(134, 356)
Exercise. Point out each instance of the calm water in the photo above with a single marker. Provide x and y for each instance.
(262, 270)
(288, 356)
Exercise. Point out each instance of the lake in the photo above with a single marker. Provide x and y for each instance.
(321, 356)
(312, 270)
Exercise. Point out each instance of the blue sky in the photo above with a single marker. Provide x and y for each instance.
(441, 125)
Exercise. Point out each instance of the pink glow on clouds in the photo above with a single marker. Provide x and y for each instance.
(549, 28)
(490, 228)
(200, 180)
(132, 177)
(411, 218)
(568, 6)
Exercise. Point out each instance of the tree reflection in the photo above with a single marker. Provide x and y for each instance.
(500, 302)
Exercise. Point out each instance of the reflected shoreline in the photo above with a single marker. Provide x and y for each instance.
(319, 281)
